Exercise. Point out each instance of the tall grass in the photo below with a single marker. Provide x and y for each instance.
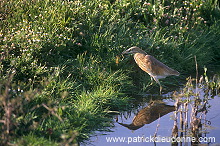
(58, 59)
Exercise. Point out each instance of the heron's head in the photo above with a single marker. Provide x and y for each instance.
(133, 50)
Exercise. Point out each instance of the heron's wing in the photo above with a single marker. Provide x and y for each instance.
(157, 67)
(143, 62)
(152, 66)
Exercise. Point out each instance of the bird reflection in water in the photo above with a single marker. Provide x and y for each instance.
(149, 114)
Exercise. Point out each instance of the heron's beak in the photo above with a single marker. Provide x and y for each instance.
(125, 52)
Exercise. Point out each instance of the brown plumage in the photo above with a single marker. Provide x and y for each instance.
(149, 114)
(151, 65)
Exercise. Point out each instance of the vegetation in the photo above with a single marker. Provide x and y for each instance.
(60, 68)
(193, 105)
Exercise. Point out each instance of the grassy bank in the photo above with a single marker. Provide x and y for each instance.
(59, 71)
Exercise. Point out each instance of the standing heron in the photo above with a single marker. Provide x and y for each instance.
(151, 65)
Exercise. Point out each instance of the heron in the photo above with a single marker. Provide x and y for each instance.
(156, 69)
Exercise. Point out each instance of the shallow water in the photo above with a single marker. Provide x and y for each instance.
(162, 126)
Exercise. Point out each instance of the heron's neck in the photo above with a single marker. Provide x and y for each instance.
(141, 51)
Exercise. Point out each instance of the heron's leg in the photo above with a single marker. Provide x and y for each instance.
(161, 89)
(151, 80)
(159, 84)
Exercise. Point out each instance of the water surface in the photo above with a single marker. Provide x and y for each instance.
(161, 126)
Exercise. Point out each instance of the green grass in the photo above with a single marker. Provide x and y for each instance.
(32, 140)
(58, 63)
